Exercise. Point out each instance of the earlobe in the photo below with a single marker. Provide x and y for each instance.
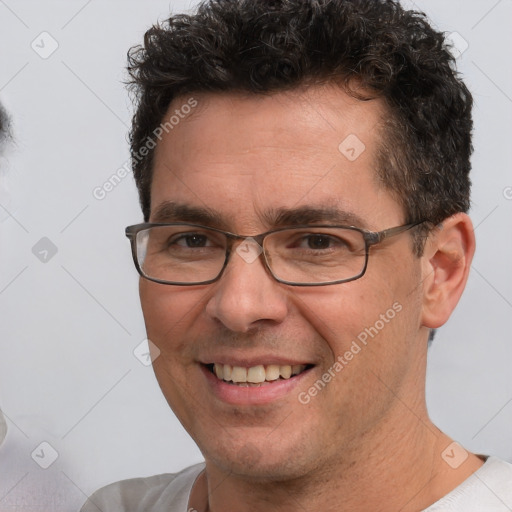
(446, 263)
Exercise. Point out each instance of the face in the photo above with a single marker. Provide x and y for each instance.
(245, 160)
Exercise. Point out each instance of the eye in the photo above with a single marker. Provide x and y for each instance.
(191, 240)
(319, 241)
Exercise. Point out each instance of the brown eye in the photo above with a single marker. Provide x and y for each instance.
(319, 241)
(191, 240)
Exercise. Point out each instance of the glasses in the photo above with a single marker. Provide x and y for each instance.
(314, 255)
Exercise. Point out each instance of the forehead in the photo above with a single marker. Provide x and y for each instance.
(245, 155)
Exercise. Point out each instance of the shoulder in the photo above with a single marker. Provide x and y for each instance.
(489, 489)
(145, 494)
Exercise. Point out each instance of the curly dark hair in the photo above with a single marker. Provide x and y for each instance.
(266, 46)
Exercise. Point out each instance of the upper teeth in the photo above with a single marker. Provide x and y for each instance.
(256, 374)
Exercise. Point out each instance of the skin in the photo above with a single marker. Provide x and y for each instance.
(367, 433)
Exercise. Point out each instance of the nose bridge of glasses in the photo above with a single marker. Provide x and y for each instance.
(248, 248)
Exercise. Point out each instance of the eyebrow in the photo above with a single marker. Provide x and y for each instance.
(313, 215)
(170, 211)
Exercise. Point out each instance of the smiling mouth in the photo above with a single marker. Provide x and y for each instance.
(256, 375)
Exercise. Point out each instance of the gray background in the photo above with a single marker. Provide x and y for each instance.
(70, 321)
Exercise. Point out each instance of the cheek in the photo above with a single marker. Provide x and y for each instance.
(368, 335)
(371, 325)
(342, 312)
(170, 313)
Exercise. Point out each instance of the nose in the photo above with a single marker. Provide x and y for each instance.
(247, 295)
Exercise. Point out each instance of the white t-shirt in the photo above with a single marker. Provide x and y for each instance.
(489, 489)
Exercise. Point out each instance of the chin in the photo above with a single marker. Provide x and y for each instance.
(261, 462)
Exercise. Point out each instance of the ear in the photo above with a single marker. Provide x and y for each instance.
(446, 262)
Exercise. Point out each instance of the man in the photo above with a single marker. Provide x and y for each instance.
(303, 174)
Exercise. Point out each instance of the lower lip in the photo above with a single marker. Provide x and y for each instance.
(252, 395)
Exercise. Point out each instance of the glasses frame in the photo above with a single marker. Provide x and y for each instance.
(371, 238)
